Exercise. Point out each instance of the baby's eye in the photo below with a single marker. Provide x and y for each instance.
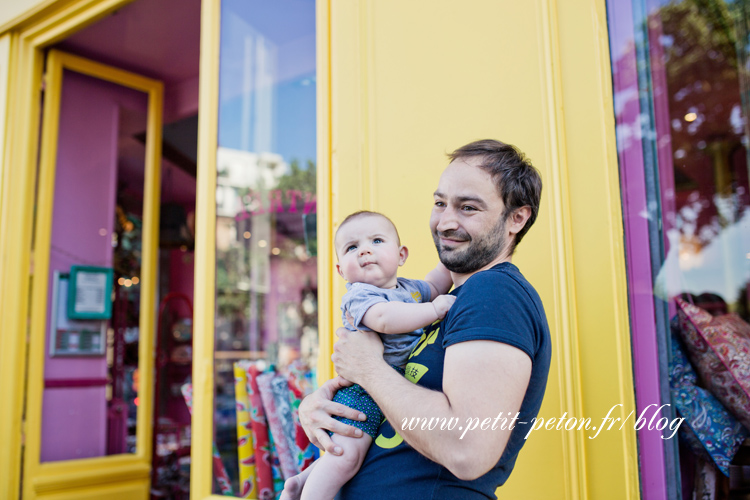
(378, 240)
(351, 247)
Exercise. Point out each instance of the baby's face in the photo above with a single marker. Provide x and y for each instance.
(369, 251)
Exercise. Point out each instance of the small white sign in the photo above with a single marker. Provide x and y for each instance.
(91, 293)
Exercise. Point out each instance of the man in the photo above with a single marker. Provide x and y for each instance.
(477, 378)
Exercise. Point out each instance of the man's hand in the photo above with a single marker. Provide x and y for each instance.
(442, 304)
(357, 354)
(315, 415)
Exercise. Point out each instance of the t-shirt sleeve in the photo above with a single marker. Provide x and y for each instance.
(423, 288)
(358, 300)
(493, 306)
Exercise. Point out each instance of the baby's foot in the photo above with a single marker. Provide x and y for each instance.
(292, 489)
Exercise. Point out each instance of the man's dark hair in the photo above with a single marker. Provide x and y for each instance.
(516, 179)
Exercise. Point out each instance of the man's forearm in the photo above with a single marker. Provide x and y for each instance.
(482, 381)
(401, 401)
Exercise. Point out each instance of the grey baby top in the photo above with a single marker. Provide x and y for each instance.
(361, 296)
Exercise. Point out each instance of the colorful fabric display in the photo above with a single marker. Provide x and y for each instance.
(280, 389)
(245, 454)
(278, 477)
(719, 348)
(709, 429)
(263, 467)
(299, 387)
(276, 425)
(220, 472)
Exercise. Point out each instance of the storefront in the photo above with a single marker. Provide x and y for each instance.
(680, 81)
(173, 170)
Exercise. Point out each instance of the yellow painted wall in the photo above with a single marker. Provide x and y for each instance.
(410, 81)
(10, 10)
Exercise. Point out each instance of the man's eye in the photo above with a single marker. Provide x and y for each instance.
(439, 204)
(351, 247)
(467, 208)
(378, 240)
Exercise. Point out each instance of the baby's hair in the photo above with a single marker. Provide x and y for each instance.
(363, 213)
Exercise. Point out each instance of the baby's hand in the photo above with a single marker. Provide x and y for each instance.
(442, 303)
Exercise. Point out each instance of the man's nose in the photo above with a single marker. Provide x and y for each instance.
(447, 220)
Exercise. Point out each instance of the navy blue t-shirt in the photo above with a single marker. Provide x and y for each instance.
(496, 304)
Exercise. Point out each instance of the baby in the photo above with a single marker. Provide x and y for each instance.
(369, 253)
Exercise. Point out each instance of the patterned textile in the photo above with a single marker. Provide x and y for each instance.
(275, 424)
(278, 477)
(220, 473)
(280, 389)
(299, 387)
(719, 348)
(262, 446)
(710, 430)
(245, 455)
(357, 398)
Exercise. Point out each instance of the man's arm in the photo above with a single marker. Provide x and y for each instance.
(481, 380)
(402, 317)
(440, 281)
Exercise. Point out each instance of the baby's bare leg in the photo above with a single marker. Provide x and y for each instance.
(293, 486)
(333, 471)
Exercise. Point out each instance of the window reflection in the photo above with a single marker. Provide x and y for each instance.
(266, 250)
(704, 183)
(680, 75)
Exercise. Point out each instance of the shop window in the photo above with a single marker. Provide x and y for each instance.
(266, 334)
(681, 96)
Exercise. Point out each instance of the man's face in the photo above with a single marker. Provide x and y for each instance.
(467, 220)
(369, 252)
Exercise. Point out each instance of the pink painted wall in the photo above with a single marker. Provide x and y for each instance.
(74, 420)
(640, 287)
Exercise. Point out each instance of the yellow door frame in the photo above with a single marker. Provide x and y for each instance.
(26, 60)
(40, 478)
(201, 446)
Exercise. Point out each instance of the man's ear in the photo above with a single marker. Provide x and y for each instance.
(403, 253)
(518, 219)
(338, 268)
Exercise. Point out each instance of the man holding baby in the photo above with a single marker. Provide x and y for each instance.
(486, 361)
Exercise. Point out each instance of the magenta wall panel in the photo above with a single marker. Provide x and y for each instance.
(635, 221)
(74, 419)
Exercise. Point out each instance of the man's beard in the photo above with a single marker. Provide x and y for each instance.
(478, 253)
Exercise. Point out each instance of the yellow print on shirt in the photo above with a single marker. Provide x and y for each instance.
(414, 372)
(416, 296)
(425, 340)
(389, 442)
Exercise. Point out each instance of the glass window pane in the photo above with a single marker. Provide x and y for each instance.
(680, 72)
(266, 258)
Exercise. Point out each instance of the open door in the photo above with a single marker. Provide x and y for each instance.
(94, 284)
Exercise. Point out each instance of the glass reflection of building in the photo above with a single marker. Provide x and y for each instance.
(680, 74)
(266, 258)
